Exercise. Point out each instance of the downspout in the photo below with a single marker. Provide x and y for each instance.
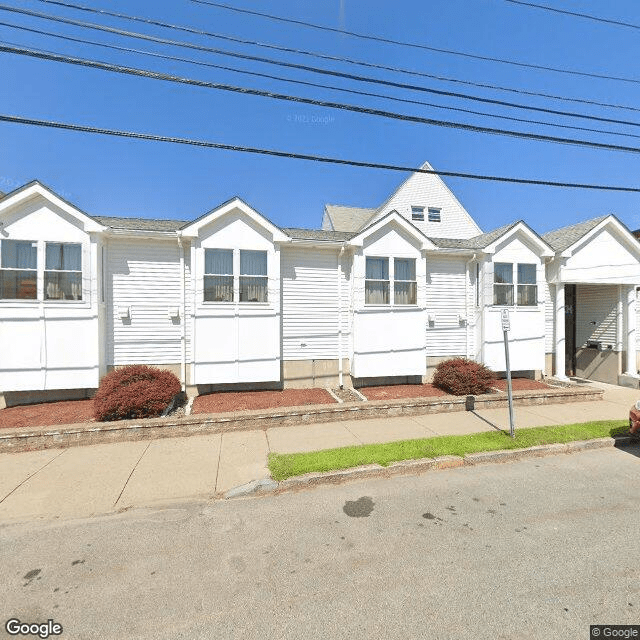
(340, 254)
(183, 314)
(466, 302)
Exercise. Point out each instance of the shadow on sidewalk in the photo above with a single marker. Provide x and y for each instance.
(493, 426)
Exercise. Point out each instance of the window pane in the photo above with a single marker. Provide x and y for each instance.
(253, 289)
(218, 261)
(527, 273)
(503, 294)
(253, 263)
(404, 293)
(527, 295)
(434, 215)
(404, 269)
(417, 213)
(377, 269)
(62, 286)
(18, 285)
(66, 257)
(17, 254)
(503, 272)
(218, 288)
(376, 292)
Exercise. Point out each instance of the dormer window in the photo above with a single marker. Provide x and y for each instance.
(434, 214)
(417, 213)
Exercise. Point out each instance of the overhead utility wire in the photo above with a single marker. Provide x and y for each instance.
(145, 73)
(413, 45)
(302, 82)
(368, 79)
(301, 156)
(576, 14)
(324, 56)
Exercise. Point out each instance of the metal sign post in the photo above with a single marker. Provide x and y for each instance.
(506, 325)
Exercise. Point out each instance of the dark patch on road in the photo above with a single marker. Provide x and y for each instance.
(476, 499)
(428, 516)
(30, 575)
(75, 562)
(492, 511)
(360, 508)
(451, 508)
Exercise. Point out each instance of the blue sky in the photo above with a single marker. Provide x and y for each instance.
(133, 178)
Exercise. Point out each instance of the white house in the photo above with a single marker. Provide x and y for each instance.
(232, 300)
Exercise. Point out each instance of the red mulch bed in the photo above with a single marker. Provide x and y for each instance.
(399, 391)
(47, 414)
(244, 400)
(521, 384)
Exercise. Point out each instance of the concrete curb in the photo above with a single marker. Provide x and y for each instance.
(411, 467)
(14, 440)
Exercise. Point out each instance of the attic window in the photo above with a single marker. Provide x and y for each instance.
(434, 214)
(417, 213)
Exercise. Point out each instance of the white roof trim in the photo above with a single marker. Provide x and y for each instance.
(193, 229)
(622, 231)
(390, 218)
(544, 249)
(38, 190)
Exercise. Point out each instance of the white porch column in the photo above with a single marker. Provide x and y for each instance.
(632, 368)
(559, 332)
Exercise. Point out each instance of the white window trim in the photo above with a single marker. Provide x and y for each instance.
(391, 281)
(435, 211)
(85, 259)
(415, 282)
(417, 213)
(45, 271)
(236, 280)
(514, 287)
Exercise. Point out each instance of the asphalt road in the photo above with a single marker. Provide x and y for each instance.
(532, 549)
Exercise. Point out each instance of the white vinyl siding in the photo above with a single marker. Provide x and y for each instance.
(144, 275)
(549, 318)
(446, 334)
(310, 304)
(596, 314)
(429, 191)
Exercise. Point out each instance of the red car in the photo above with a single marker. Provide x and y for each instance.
(634, 420)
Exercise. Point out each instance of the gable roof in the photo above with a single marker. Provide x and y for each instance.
(392, 217)
(477, 242)
(318, 234)
(140, 224)
(348, 219)
(35, 188)
(563, 238)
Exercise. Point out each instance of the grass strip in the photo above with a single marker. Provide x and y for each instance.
(287, 465)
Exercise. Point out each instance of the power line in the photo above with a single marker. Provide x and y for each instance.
(414, 45)
(576, 14)
(324, 56)
(303, 82)
(300, 156)
(145, 73)
(368, 79)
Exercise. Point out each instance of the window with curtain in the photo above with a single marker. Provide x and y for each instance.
(404, 281)
(503, 283)
(253, 276)
(18, 270)
(63, 271)
(527, 287)
(218, 275)
(376, 285)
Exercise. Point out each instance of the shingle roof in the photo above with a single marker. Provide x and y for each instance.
(318, 234)
(140, 224)
(563, 238)
(348, 219)
(477, 242)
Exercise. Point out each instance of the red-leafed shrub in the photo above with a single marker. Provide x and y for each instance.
(135, 391)
(462, 377)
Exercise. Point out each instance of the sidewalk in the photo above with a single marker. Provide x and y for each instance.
(98, 479)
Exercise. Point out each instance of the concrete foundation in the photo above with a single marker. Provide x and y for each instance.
(306, 374)
(602, 366)
(15, 398)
